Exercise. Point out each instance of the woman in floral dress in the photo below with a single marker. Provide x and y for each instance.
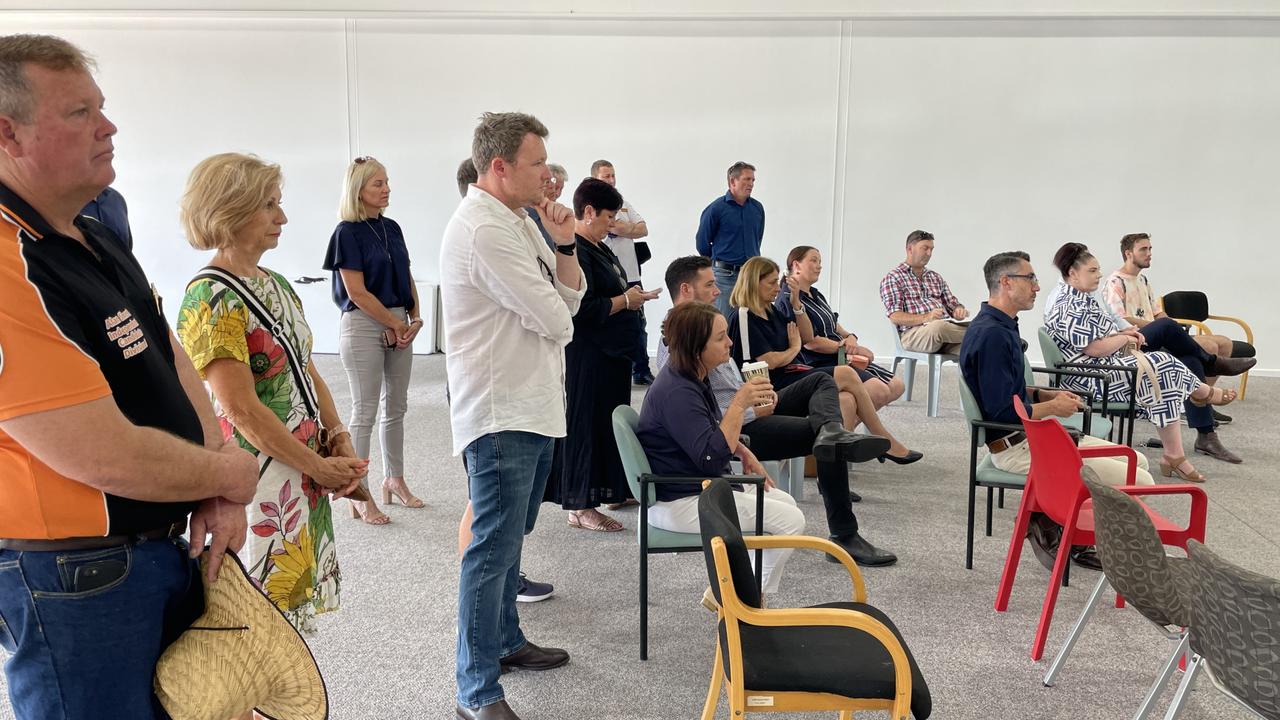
(273, 406)
(1085, 333)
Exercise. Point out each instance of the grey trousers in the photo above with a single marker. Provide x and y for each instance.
(375, 373)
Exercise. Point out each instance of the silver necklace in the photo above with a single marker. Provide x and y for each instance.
(386, 245)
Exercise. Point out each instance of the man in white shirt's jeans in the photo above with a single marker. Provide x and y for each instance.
(508, 304)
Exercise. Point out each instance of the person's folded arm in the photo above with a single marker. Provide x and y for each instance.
(353, 281)
(503, 271)
(233, 386)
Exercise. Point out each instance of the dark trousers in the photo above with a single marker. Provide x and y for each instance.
(802, 409)
(1167, 335)
(640, 355)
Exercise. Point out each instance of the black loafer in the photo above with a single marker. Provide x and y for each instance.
(863, 553)
(493, 711)
(1045, 535)
(532, 657)
(1086, 557)
(834, 443)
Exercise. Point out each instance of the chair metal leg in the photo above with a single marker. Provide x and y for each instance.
(1157, 687)
(935, 381)
(989, 494)
(644, 604)
(968, 544)
(1184, 689)
(1000, 503)
(1090, 605)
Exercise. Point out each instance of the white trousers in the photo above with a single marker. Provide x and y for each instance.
(781, 517)
(1017, 459)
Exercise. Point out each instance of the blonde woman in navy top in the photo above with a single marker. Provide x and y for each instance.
(380, 319)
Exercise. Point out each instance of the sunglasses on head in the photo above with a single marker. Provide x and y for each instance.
(364, 159)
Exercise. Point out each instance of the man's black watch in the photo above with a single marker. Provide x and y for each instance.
(567, 249)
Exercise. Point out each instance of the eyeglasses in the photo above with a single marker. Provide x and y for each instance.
(364, 159)
(1029, 276)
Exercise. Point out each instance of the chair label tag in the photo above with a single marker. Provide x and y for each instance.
(759, 701)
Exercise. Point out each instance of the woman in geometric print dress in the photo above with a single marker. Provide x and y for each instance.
(1086, 333)
(232, 205)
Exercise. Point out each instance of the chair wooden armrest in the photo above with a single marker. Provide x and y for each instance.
(1199, 502)
(1129, 454)
(771, 542)
(1248, 331)
(1200, 327)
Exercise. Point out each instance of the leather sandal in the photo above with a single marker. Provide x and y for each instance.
(1170, 467)
(1217, 396)
(605, 524)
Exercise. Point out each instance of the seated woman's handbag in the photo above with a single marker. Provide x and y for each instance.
(324, 443)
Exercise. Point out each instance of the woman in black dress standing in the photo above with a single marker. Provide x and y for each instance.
(597, 367)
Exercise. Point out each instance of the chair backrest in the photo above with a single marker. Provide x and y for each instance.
(1133, 558)
(1028, 376)
(1186, 305)
(1054, 478)
(897, 337)
(1235, 627)
(1053, 356)
(718, 517)
(969, 404)
(634, 461)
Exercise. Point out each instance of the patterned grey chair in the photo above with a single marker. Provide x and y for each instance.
(1235, 633)
(1134, 563)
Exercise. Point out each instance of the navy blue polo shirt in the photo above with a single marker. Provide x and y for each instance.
(991, 362)
(110, 209)
(730, 232)
(680, 432)
(376, 248)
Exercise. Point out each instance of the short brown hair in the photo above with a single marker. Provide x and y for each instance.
(746, 292)
(736, 169)
(599, 164)
(223, 192)
(466, 176)
(17, 100)
(686, 332)
(1128, 241)
(499, 135)
(916, 236)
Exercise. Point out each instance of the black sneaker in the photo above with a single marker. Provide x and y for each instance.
(642, 379)
(1221, 418)
(531, 591)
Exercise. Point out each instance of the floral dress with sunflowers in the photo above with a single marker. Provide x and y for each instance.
(291, 554)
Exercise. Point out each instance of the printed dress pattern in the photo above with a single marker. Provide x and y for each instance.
(291, 554)
(1075, 320)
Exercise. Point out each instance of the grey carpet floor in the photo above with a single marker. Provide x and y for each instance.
(389, 652)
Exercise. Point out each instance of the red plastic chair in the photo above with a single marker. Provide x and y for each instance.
(1055, 489)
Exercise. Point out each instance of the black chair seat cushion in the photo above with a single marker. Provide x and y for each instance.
(1242, 349)
(841, 661)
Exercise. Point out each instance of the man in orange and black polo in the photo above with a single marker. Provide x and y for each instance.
(107, 440)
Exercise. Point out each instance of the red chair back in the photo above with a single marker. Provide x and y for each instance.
(1054, 479)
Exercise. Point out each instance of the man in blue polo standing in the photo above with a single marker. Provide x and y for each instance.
(731, 229)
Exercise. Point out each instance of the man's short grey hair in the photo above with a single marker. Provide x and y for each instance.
(1000, 265)
(466, 176)
(735, 170)
(559, 172)
(17, 100)
(499, 135)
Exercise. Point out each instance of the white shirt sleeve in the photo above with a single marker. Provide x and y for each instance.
(504, 271)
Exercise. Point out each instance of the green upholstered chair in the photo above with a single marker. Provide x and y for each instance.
(642, 483)
(1125, 413)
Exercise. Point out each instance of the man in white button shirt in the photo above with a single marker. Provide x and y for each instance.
(508, 305)
(628, 227)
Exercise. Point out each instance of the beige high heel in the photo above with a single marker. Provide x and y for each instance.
(380, 519)
(408, 499)
(1169, 467)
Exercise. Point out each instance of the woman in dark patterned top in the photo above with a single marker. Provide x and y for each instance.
(804, 263)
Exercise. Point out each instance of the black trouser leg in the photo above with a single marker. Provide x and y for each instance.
(814, 396)
(1167, 335)
(779, 437)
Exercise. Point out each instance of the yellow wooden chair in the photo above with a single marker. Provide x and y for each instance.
(1191, 308)
(843, 657)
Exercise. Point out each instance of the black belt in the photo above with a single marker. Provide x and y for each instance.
(172, 530)
(998, 446)
(727, 266)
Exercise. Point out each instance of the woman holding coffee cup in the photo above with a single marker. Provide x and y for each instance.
(804, 263)
(761, 333)
(380, 319)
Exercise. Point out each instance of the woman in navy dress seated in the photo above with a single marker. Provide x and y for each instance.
(1085, 333)
(804, 263)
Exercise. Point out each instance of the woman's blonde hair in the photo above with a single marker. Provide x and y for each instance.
(746, 292)
(223, 192)
(350, 208)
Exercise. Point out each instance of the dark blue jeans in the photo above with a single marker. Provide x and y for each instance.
(507, 472)
(85, 629)
(1167, 335)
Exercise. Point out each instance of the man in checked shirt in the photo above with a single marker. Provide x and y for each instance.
(920, 303)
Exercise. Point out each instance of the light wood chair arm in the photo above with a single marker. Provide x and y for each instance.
(1248, 331)
(1201, 328)
(809, 542)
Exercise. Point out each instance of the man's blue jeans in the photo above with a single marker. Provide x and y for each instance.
(507, 472)
(725, 280)
(85, 628)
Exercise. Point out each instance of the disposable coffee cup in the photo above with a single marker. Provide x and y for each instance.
(753, 370)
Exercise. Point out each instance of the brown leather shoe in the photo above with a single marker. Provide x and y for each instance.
(532, 657)
(1209, 444)
(1230, 366)
(493, 711)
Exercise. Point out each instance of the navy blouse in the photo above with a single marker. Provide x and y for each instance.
(376, 248)
(680, 432)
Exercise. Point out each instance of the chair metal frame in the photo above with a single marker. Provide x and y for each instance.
(1203, 329)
